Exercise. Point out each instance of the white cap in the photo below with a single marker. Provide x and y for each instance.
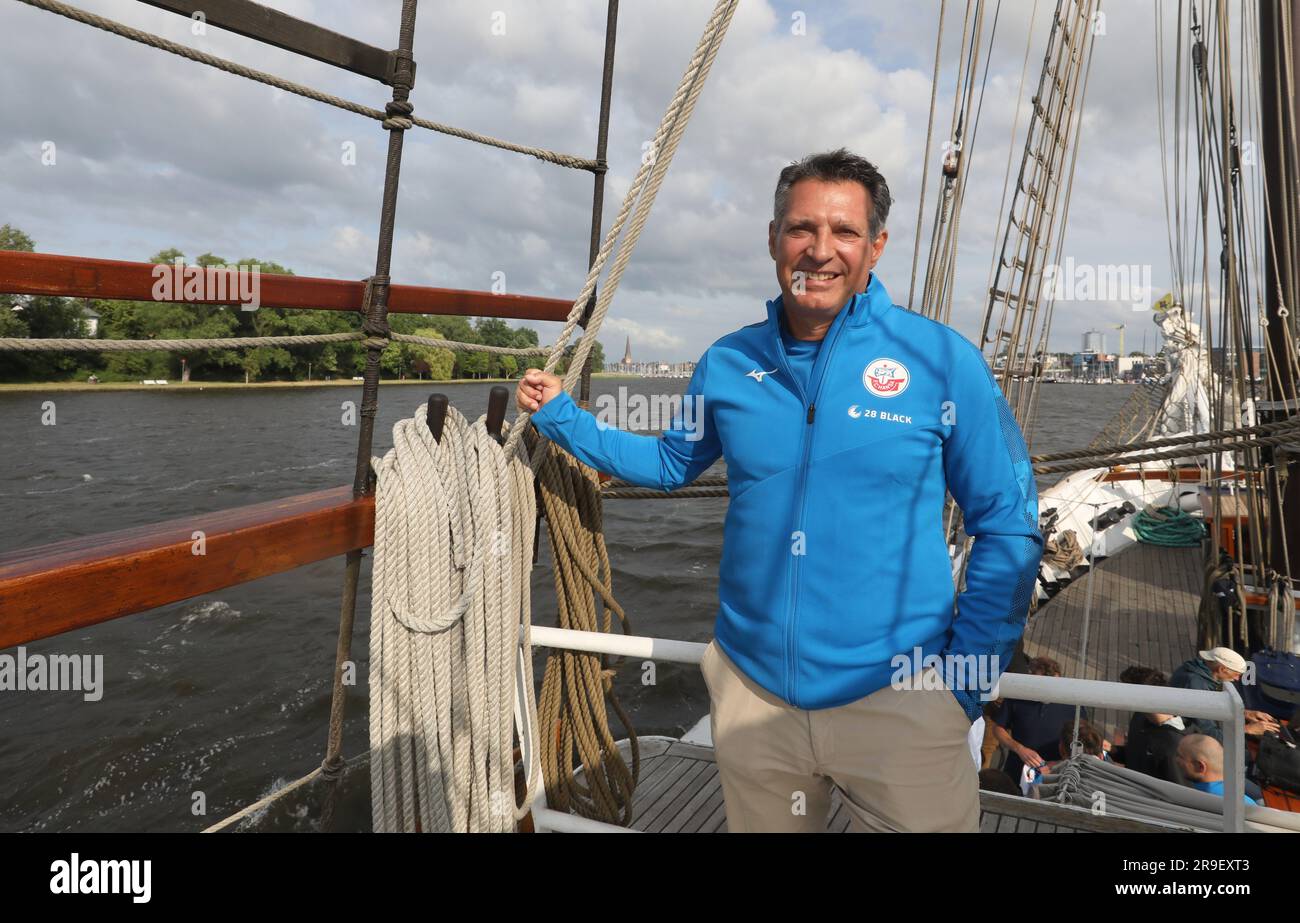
(1225, 656)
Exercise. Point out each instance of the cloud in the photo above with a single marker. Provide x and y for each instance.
(155, 151)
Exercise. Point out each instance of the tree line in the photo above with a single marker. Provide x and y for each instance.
(43, 316)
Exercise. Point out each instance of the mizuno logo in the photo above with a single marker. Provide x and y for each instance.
(758, 376)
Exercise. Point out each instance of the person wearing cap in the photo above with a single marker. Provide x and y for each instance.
(1208, 671)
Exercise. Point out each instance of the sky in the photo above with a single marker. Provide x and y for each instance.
(153, 151)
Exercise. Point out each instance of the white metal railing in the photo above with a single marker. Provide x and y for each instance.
(1222, 706)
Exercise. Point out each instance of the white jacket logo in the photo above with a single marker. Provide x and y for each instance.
(886, 377)
(758, 376)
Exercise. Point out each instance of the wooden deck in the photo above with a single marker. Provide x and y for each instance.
(679, 792)
(1143, 613)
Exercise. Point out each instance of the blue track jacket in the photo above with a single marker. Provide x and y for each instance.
(834, 559)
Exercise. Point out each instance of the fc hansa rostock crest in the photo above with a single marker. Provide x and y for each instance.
(886, 377)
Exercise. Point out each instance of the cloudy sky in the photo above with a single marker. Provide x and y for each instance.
(153, 151)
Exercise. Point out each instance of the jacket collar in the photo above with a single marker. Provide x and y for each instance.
(861, 309)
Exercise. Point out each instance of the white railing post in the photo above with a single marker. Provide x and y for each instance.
(1234, 762)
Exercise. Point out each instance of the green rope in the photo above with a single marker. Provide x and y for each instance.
(1169, 527)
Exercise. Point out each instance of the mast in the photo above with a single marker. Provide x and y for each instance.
(1280, 115)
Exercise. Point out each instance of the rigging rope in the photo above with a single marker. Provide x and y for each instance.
(442, 679)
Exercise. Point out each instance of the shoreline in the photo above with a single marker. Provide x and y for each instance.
(18, 387)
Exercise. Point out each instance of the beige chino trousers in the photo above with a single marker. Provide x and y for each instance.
(899, 758)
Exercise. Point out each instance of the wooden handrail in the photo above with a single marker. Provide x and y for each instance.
(81, 277)
(72, 584)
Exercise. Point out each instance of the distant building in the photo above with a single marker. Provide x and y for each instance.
(90, 319)
(1094, 341)
(651, 369)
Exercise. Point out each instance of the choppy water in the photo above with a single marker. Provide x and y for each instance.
(228, 694)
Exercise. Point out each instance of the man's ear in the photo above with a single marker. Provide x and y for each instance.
(878, 246)
(771, 239)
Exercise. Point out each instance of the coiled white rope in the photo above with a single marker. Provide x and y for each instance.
(443, 676)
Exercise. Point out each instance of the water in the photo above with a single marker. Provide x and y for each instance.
(215, 701)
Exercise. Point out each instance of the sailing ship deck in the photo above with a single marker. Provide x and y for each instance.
(1143, 612)
(679, 792)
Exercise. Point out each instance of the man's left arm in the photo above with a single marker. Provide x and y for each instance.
(989, 475)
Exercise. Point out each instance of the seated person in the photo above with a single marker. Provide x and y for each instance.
(1208, 671)
(1031, 731)
(1201, 758)
(1151, 746)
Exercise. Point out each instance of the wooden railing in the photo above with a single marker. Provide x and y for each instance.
(81, 277)
(50, 589)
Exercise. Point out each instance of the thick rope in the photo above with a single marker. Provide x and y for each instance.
(571, 707)
(442, 680)
(54, 344)
(1109, 451)
(398, 119)
(1171, 528)
(1189, 451)
(1063, 551)
(646, 493)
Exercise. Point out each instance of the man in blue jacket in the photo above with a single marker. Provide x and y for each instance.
(841, 658)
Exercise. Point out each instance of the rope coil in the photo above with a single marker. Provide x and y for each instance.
(446, 629)
(1170, 527)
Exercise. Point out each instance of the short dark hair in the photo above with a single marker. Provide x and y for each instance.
(1049, 666)
(836, 166)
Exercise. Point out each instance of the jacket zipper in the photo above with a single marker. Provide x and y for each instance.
(792, 620)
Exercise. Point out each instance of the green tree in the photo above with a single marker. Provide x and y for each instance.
(474, 365)
(36, 317)
(441, 363)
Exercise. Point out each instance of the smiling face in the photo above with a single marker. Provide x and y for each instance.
(823, 249)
